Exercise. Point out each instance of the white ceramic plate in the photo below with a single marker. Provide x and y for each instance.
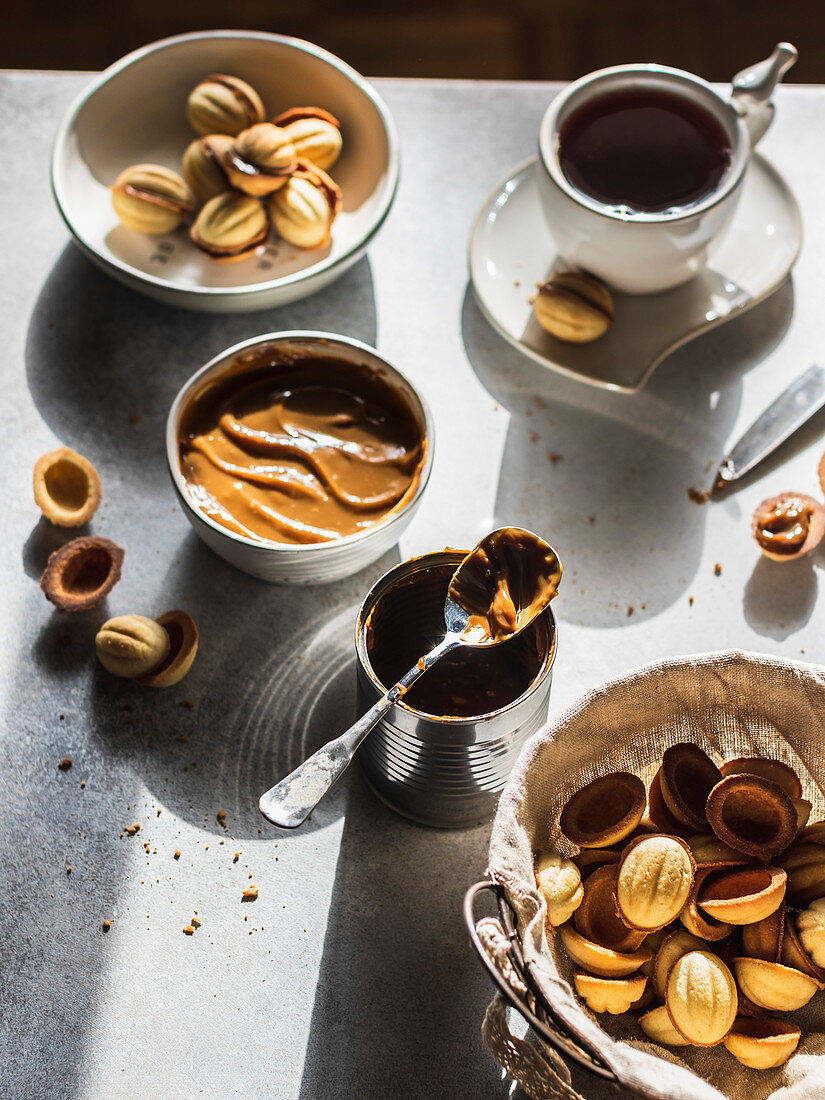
(511, 251)
(135, 112)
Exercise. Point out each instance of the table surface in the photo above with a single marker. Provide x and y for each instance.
(351, 975)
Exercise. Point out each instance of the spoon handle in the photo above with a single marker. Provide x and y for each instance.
(290, 802)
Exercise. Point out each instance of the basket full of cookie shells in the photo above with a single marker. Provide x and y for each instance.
(658, 856)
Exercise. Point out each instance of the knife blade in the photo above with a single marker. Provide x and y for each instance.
(793, 408)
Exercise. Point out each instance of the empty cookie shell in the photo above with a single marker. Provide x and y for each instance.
(183, 645)
(764, 938)
(696, 921)
(707, 848)
(605, 811)
(660, 815)
(613, 995)
(803, 945)
(701, 998)
(805, 865)
(803, 811)
(744, 896)
(603, 961)
(687, 777)
(66, 487)
(560, 884)
(598, 919)
(781, 774)
(672, 948)
(812, 834)
(762, 1044)
(588, 859)
(658, 1026)
(752, 815)
(82, 573)
(788, 525)
(654, 881)
(774, 986)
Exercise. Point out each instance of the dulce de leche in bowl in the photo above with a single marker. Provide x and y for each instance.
(299, 456)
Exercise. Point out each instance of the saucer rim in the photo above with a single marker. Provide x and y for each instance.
(473, 251)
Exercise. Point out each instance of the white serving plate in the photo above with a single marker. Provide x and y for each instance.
(511, 251)
(135, 112)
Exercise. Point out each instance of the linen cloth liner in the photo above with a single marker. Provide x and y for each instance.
(732, 704)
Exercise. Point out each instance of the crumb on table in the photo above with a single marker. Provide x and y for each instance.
(717, 570)
(65, 763)
(177, 853)
(221, 816)
(107, 924)
(188, 930)
(250, 893)
(132, 829)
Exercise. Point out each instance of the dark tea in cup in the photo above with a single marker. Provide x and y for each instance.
(644, 150)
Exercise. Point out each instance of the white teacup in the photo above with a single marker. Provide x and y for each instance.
(640, 253)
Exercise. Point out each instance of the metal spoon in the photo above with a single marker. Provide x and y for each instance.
(518, 571)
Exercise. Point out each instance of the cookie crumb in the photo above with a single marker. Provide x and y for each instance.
(717, 570)
(107, 924)
(690, 600)
(698, 496)
(250, 893)
(65, 763)
(69, 869)
(82, 784)
(177, 853)
(221, 816)
(195, 922)
(237, 857)
(630, 611)
(554, 458)
(591, 520)
(188, 930)
(132, 829)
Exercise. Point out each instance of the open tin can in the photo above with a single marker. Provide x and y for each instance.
(442, 756)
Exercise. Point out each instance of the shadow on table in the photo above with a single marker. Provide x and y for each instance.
(396, 948)
(274, 679)
(777, 606)
(605, 476)
(103, 365)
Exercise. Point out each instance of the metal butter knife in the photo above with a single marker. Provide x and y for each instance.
(778, 422)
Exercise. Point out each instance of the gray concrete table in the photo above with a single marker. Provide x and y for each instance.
(351, 975)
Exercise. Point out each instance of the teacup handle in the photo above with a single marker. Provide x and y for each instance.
(753, 88)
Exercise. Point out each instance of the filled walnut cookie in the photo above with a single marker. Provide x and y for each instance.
(788, 525)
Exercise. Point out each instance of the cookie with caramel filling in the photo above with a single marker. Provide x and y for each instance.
(788, 525)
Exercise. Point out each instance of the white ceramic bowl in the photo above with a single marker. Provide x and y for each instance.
(135, 112)
(311, 563)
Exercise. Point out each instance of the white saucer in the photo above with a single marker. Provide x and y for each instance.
(511, 251)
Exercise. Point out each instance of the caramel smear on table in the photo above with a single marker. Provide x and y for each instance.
(784, 529)
(300, 452)
(505, 581)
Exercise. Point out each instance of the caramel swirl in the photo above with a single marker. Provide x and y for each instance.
(300, 452)
(784, 528)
